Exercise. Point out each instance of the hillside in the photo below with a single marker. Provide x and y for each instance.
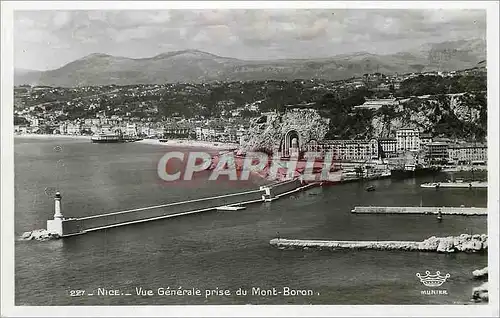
(193, 66)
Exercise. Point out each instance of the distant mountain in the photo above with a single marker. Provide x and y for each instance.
(23, 76)
(193, 66)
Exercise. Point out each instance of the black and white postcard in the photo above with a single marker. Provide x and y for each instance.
(249, 158)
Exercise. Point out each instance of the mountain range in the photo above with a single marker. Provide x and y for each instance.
(194, 66)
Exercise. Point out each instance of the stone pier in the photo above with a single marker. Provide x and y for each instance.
(60, 226)
(419, 210)
(450, 244)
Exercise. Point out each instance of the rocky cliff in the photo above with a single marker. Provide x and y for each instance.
(266, 133)
(453, 115)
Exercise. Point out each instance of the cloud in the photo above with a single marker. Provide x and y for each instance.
(237, 33)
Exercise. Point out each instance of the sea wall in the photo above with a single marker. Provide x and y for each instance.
(451, 244)
(79, 225)
(73, 226)
(419, 210)
(280, 188)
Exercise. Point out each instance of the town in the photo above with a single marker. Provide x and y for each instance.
(366, 114)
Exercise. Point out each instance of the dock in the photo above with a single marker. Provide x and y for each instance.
(419, 210)
(450, 244)
(473, 184)
(377, 245)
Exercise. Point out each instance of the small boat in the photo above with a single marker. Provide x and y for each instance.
(370, 188)
(106, 138)
(230, 208)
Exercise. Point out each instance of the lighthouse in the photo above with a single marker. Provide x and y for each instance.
(57, 206)
(55, 226)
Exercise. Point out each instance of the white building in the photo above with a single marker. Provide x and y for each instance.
(73, 128)
(378, 103)
(389, 147)
(407, 139)
(131, 130)
(350, 150)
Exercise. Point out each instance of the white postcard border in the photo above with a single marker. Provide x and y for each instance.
(7, 176)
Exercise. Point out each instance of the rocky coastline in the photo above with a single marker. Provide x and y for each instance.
(480, 273)
(39, 235)
(480, 293)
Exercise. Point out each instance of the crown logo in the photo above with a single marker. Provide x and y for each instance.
(433, 280)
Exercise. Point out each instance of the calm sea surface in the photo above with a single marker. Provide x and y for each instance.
(223, 250)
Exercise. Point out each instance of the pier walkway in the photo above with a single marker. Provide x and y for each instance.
(62, 227)
(419, 210)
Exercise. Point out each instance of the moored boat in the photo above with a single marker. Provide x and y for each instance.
(370, 188)
(106, 138)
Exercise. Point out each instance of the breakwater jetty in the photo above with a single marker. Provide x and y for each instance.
(451, 244)
(61, 226)
(460, 185)
(419, 210)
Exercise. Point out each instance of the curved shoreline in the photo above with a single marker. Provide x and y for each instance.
(36, 136)
(190, 144)
(154, 142)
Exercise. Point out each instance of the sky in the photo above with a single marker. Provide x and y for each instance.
(50, 39)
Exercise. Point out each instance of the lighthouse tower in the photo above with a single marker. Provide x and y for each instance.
(55, 226)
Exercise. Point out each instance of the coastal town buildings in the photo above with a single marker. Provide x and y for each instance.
(349, 150)
(468, 153)
(178, 131)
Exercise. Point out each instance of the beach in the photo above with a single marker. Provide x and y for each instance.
(54, 136)
(171, 142)
(191, 143)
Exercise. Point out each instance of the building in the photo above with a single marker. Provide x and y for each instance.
(35, 122)
(425, 139)
(131, 130)
(378, 103)
(436, 152)
(73, 128)
(388, 147)
(63, 128)
(348, 150)
(206, 134)
(174, 130)
(407, 139)
(22, 129)
(468, 153)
